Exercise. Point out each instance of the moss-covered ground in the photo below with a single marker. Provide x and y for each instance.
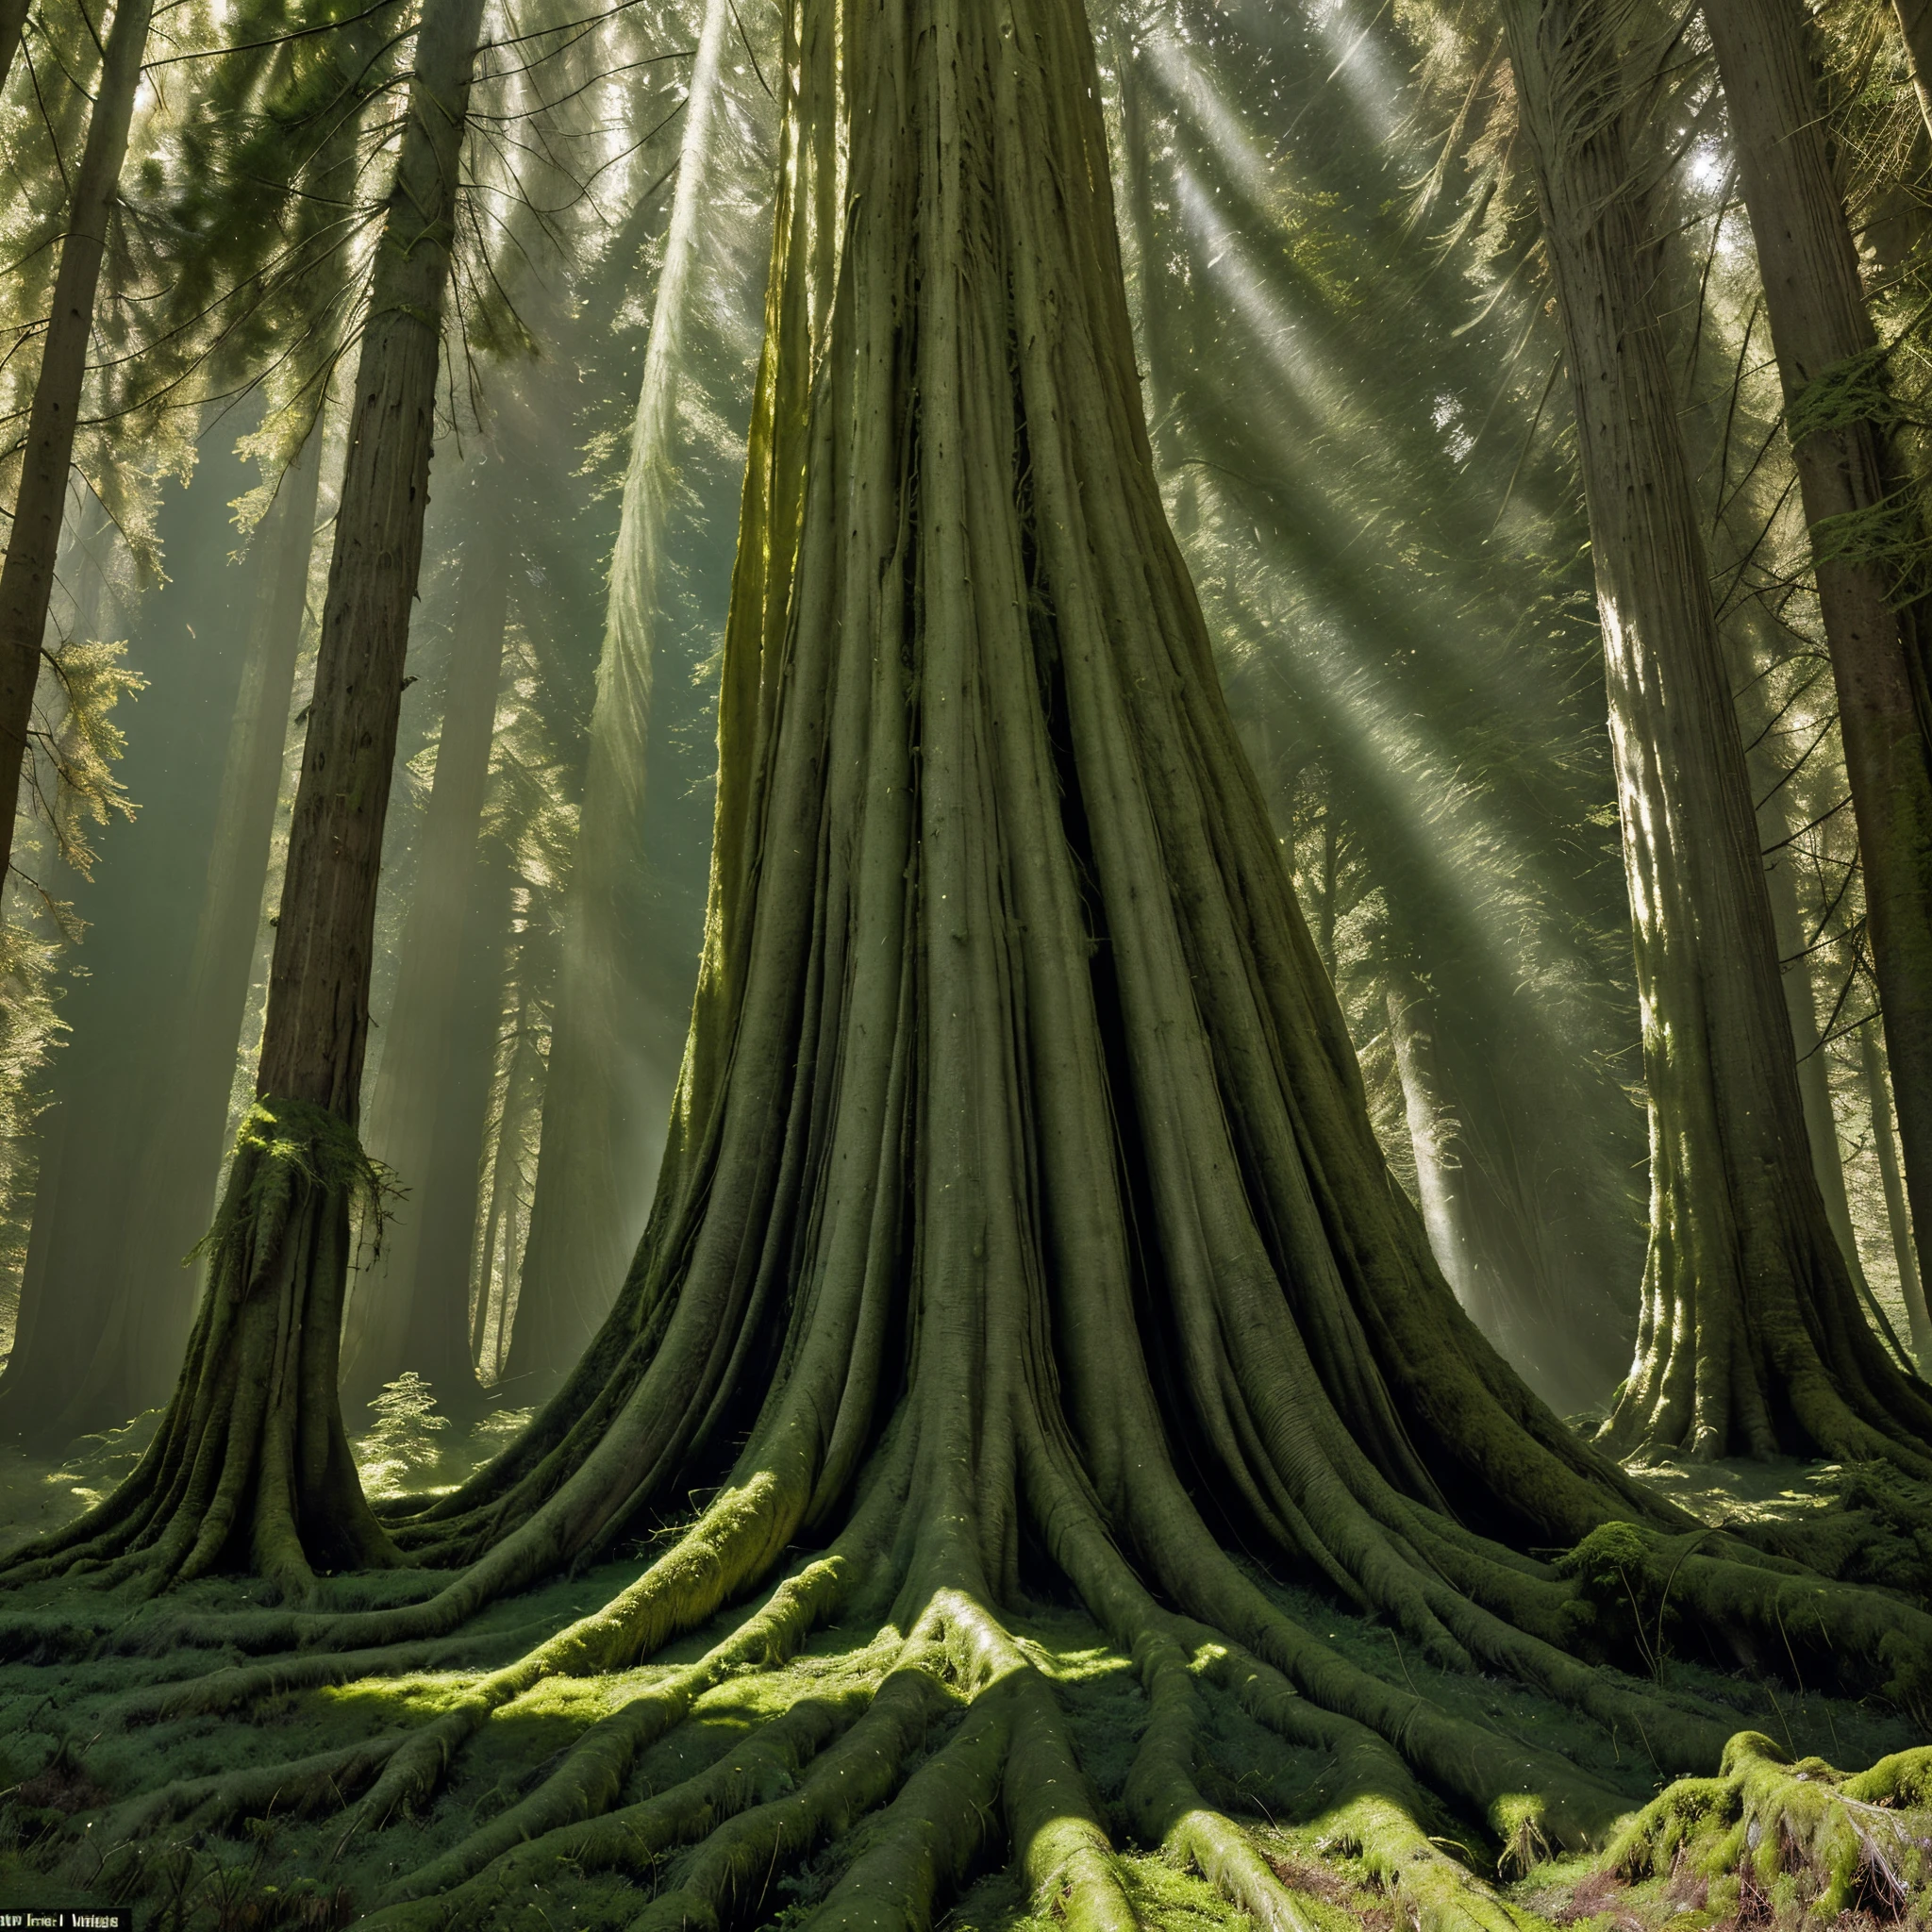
(67, 1758)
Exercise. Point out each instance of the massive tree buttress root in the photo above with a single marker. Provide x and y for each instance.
(1022, 1205)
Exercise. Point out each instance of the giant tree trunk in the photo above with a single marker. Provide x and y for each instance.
(33, 543)
(251, 1455)
(613, 1055)
(405, 1109)
(1751, 1338)
(1860, 509)
(1020, 1163)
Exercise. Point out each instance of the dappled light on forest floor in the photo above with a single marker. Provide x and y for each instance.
(90, 1749)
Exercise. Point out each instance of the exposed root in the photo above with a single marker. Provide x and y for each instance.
(1804, 1836)
(629, 1839)
(323, 1781)
(729, 1874)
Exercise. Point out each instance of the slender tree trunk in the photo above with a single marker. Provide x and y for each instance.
(1838, 411)
(405, 1108)
(27, 579)
(438, 1342)
(1432, 1134)
(252, 1454)
(1814, 1074)
(612, 1057)
(1751, 1336)
(1911, 1283)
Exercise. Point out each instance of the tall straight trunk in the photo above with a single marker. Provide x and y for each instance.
(514, 1145)
(612, 1057)
(1814, 1073)
(33, 545)
(437, 1343)
(1431, 1135)
(250, 1454)
(1858, 504)
(1751, 1337)
(406, 1107)
(1911, 1283)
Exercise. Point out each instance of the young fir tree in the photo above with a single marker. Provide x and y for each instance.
(1020, 1163)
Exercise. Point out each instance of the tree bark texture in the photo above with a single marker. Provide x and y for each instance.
(1860, 506)
(33, 542)
(251, 1452)
(613, 1053)
(1751, 1338)
(405, 1108)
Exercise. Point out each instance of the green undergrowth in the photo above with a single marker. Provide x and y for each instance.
(66, 1760)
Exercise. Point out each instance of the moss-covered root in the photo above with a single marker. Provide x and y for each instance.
(919, 1846)
(318, 1783)
(1648, 1586)
(1372, 1805)
(1167, 1804)
(758, 1770)
(1800, 1835)
(726, 1877)
(600, 1642)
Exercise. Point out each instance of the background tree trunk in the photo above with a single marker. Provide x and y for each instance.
(613, 1051)
(108, 1340)
(27, 579)
(1911, 1282)
(1838, 411)
(1432, 1133)
(407, 1107)
(1752, 1338)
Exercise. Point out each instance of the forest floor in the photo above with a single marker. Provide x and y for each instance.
(64, 1760)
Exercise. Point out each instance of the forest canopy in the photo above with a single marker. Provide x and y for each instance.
(966, 961)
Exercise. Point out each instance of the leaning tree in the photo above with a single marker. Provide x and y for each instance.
(1021, 1195)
